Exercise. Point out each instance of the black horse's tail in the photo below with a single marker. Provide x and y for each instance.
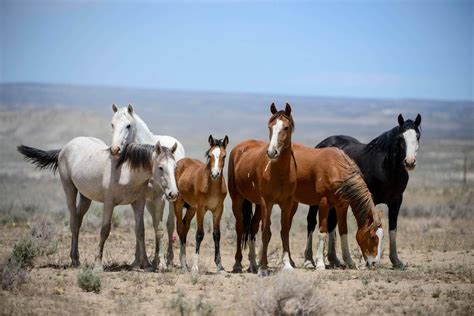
(247, 213)
(40, 158)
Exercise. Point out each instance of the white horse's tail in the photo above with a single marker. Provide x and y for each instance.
(40, 158)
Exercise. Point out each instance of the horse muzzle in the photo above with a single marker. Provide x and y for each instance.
(273, 154)
(115, 150)
(410, 165)
(172, 196)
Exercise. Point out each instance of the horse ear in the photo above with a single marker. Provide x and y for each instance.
(211, 140)
(158, 147)
(226, 141)
(418, 120)
(130, 109)
(114, 108)
(273, 108)
(400, 119)
(288, 109)
(173, 149)
(380, 213)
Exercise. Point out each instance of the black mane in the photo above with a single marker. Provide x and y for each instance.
(217, 142)
(140, 155)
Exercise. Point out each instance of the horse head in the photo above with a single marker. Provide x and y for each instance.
(370, 239)
(164, 170)
(408, 140)
(280, 126)
(216, 155)
(123, 128)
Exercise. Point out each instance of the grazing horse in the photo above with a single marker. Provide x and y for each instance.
(384, 163)
(128, 127)
(264, 174)
(202, 187)
(86, 167)
(328, 177)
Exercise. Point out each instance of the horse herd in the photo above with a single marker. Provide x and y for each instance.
(143, 169)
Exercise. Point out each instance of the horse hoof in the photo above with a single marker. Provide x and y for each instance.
(237, 269)
(75, 263)
(308, 264)
(150, 269)
(292, 263)
(263, 272)
(195, 271)
(399, 266)
(252, 269)
(288, 268)
(335, 263)
(135, 264)
(162, 267)
(320, 265)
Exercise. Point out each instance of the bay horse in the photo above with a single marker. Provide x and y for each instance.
(202, 187)
(128, 127)
(264, 173)
(87, 167)
(384, 163)
(329, 178)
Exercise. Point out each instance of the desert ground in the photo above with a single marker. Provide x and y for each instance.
(435, 234)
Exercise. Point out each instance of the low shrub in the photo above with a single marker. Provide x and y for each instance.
(89, 281)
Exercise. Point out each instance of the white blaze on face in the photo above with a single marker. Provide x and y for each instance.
(379, 234)
(167, 177)
(411, 145)
(216, 152)
(276, 129)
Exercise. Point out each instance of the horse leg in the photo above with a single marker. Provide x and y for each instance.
(104, 231)
(256, 218)
(216, 235)
(186, 222)
(322, 234)
(341, 212)
(286, 216)
(71, 195)
(151, 207)
(178, 208)
(332, 222)
(82, 208)
(159, 249)
(311, 226)
(266, 236)
(294, 208)
(201, 211)
(138, 209)
(170, 226)
(393, 209)
(237, 203)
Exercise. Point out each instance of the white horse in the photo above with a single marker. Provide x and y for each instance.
(87, 167)
(129, 127)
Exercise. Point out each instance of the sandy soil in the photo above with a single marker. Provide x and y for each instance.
(438, 280)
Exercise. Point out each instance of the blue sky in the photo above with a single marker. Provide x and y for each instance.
(382, 49)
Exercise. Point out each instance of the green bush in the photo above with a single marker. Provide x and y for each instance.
(89, 281)
(13, 275)
(24, 252)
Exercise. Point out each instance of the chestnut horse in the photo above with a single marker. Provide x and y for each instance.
(328, 176)
(203, 188)
(264, 174)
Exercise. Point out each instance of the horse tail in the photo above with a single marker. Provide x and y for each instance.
(354, 191)
(40, 158)
(247, 213)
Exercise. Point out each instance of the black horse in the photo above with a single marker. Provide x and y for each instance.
(384, 163)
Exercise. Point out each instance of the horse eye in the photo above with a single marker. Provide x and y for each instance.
(112, 125)
(161, 168)
(286, 128)
(128, 126)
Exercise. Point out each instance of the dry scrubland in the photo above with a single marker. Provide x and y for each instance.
(436, 240)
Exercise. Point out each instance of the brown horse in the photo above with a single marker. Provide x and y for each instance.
(203, 188)
(264, 174)
(328, 177)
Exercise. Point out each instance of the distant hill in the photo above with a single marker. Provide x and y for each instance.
(184, 113)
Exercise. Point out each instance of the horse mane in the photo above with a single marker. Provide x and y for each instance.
(283, 113)
(353, 189)
(384, 141)
(137, 156)
(217, 142)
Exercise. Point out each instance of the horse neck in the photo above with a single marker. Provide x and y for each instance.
(393, 164)
(144, 135)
